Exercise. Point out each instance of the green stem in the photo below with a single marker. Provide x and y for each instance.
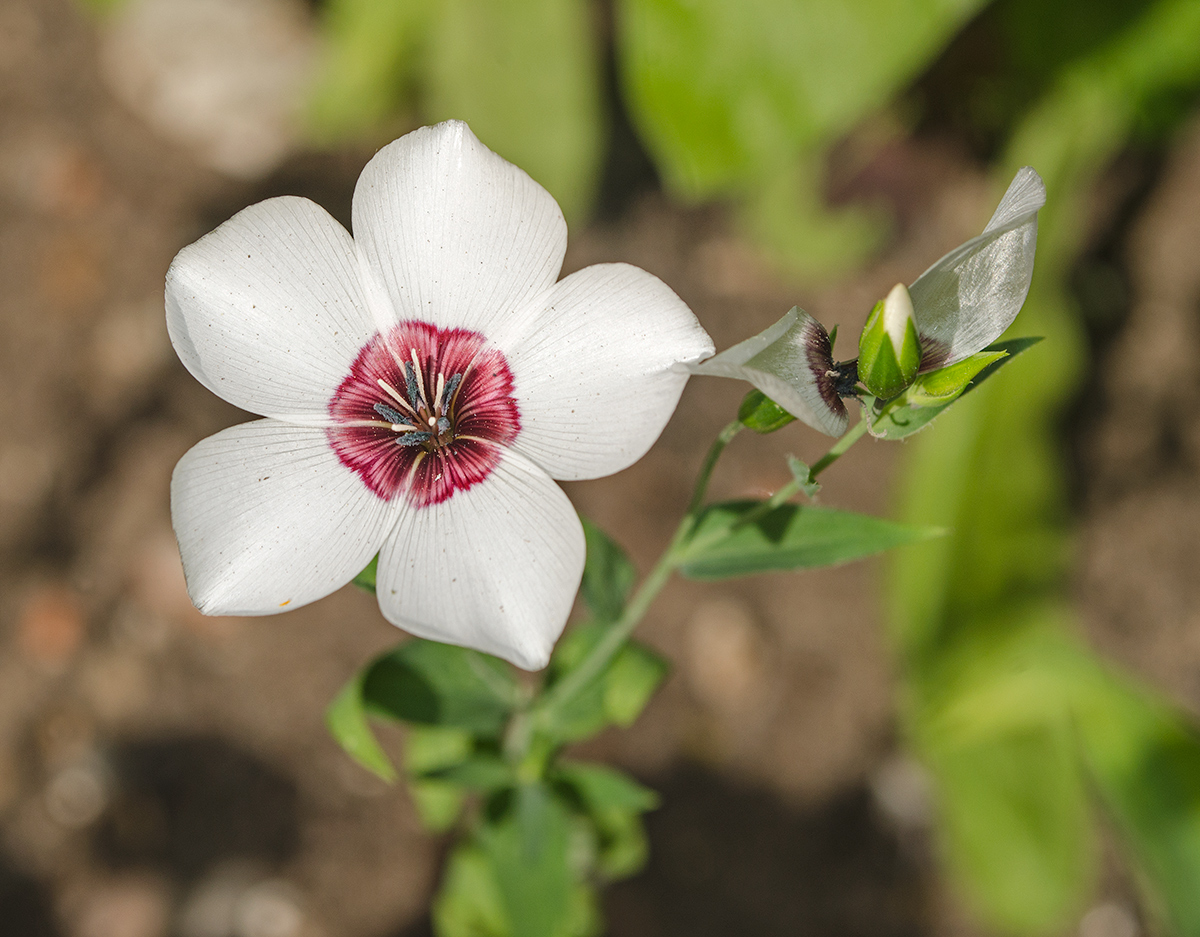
(614, 638)
(607, 647)
(839, 448)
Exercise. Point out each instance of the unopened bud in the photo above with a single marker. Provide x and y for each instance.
(889, 350)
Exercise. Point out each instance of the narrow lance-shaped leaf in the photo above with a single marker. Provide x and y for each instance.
(787, 537)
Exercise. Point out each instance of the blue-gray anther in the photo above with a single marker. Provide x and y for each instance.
(448, 393)
(412, 439)
(410, 378)
(443, 425)
(392, 416)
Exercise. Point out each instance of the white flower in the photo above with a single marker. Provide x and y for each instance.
(961, 304)
(423, 383)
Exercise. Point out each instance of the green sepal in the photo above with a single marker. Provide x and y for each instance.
(366, 579)
(943, 385)
(882, 368)
(762, 414)
(899, 418)
(787, 537)
(608, 574)
(615, 696)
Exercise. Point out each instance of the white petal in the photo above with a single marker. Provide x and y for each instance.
(595, 369)
(782, 362)
(968, 298)
(268, 519)
(454, 234)
(494, 568)
(267, 310)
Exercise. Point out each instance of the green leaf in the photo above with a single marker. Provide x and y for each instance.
(617, 695)
(900, 419)
(347, 722)
(529, 849)
(1017, 828)
(370, 54)
(366, 579)
(785, 538)
(996, 719)
(722, 93)
(1145, 759)
(432, 748)
(802, 473)
(614, 802)
(439, 803)
(601, 788)
(481, 772)
(525, 75)
(608, 575)
(441, 684)
(762, 414)
(469, 903)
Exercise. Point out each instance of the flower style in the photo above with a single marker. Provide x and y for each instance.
(422, 385)
(960, 305)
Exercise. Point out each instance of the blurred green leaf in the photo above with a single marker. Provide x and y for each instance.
(1017, 827)
(347, 722)
(525, 75)
(602, 788)
(762, 414)
(439, 803)
(431, 748)
(1145, 760)
(370, 62)
(608, 575)
(724, 94)
(529, 850)
(785, 538)
(903, 419)
(469, 903)
(615, 802)
(366, 579)
(482, 772)
(995, 720)
(617, 695)
(441, 684)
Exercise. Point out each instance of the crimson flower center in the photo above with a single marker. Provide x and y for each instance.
(424, 411)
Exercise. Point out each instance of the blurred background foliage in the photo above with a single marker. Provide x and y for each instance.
(1035, 744)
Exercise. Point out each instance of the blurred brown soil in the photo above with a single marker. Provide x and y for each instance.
(155, 763)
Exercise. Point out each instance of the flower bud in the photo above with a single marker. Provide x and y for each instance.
(889, 350)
